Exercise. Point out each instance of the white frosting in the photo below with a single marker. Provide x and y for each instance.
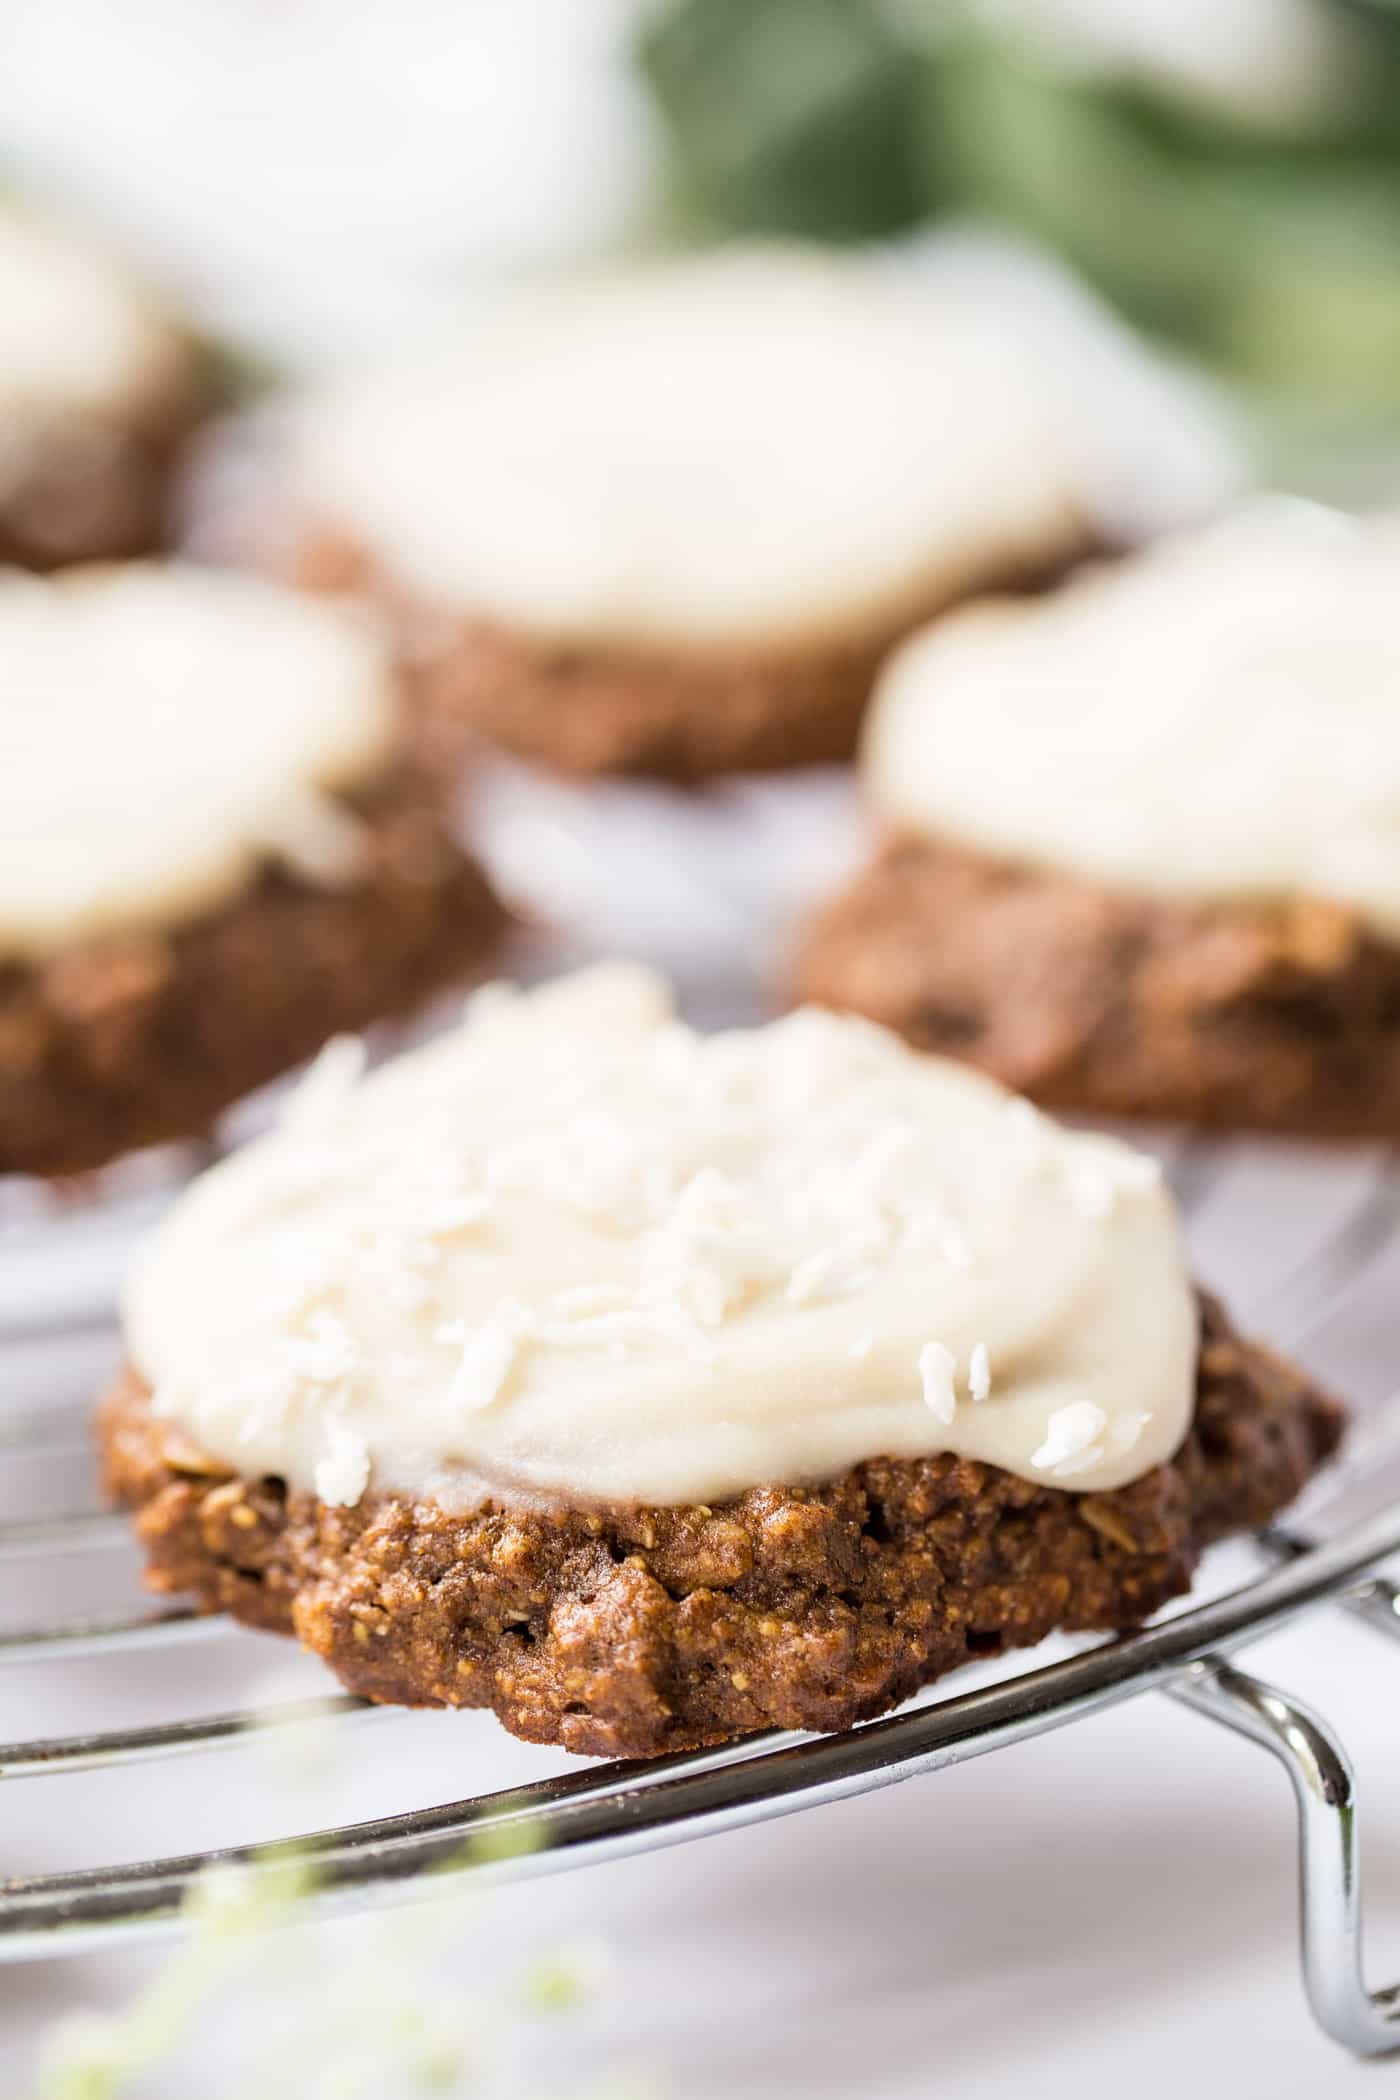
(573, 1248)
(1217, 718)
(77, 339)
(163, 729)
(755, 447)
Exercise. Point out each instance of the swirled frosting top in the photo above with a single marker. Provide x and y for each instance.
(762, 447)
(1217, 718)
(165, 728)
(574, 1250)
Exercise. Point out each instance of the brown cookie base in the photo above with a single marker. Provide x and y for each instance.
(627, 1632)
(136, 1039)
(592, 710)
(1274, 1017)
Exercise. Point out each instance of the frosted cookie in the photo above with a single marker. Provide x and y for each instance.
(1143, 839)
(651, 1388)
(97, 390)
(216, 849)
(668, 523)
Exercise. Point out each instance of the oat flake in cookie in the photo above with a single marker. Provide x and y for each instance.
(1142, 845)
(97, 390)
(216, 849)
(648, 1387)
(667, 522)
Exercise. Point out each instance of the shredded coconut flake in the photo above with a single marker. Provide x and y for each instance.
(342, 1475)
(928, 1230)
(810, 1278)
(460, 1213)
(1126, 1430)
(1092, 1188)
(1082, 1461)
(405, 1289)
(580, 1299)
(325, 1086)
(491, 1002)
(882, 1151)
(1139, 1170)
(1072, 1432)
(979, 1372)
(1097, 1180)
(1026, 1127)
(937, 1368)
(325, 1353)
(488, 1353)
(315, 836)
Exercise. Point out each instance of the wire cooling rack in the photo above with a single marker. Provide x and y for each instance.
(599, 1813)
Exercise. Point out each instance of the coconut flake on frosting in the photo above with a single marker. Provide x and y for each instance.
(164, 730)
(764, 446)
(572, 1249)
(938, 1376)
(1217, 718)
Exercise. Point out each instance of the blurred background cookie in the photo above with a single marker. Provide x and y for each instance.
(217, 848)
(98, 387)
(1143, 839)
(668, 522)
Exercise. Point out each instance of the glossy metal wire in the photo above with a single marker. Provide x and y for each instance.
(621, 1809)
(614, 1810)
(1329, 1869)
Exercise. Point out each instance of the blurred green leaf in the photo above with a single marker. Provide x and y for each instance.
(1284, 268)
(1272, 251)
(788, 116)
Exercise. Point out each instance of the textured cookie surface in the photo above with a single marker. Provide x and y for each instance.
(631, 1632)
(1278, 1017)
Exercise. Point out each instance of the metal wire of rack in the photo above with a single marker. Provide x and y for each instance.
(605, 1812)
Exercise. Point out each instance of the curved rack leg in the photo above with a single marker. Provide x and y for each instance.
(1324, 1787)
